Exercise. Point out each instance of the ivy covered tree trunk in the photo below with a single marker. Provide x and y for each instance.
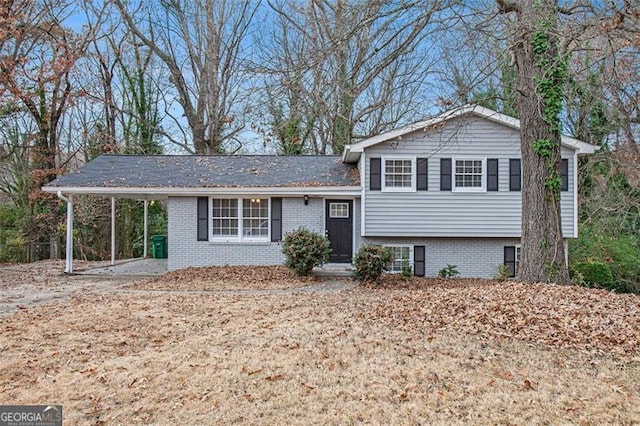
(541, 72)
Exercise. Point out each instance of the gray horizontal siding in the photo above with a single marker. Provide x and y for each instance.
(436, 213)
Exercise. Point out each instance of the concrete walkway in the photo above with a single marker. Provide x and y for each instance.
(130, 267)
(153, 267)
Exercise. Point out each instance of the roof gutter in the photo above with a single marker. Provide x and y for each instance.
(151, 193)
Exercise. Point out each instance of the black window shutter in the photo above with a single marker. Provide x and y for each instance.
(514, 175)
(203, 218)
(445, 174)
(276, 219)
(564, 174)
(492, 174)
(418, 261)
(422, 183)
(510, 259)
(375, 175)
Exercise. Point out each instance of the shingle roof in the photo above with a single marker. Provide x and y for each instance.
(210, 171)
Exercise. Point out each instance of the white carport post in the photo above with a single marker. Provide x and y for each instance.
(113, 231)
(146, 230)
(68, 269)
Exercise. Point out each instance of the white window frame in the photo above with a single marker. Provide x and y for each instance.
(410, 259)
(335, 203)
(483, 178)
(239, 214)
(516, 258)
(383, 174)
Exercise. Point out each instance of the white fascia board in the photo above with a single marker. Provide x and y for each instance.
(579, 146)
(374, 140)
(351, 155)
(155, 193)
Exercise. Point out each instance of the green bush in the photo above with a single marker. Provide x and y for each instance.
(619, 251)
(371, 261)
(14, 246)
(449, 271)
(407, 271)
(13, 235)
(595, 274)
(502, 272)
(304, 250)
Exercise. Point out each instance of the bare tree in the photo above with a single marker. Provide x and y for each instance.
(359, 66)
(37, 56)
(201, 42)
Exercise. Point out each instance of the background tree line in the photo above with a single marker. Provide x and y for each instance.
(78, 79)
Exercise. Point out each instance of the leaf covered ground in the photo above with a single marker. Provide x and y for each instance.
(224, 278)
(418, 352)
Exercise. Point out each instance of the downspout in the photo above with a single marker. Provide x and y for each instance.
(146, 228)
(69, 246)
(113, 231)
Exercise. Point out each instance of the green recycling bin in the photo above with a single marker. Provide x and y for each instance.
(159, 246)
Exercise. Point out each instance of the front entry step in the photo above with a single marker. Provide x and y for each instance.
(334, 270)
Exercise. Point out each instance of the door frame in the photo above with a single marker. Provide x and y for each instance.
(353, 219)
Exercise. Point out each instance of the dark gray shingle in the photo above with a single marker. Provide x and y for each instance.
(211, 171)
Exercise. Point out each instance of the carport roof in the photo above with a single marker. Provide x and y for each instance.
(157, 175)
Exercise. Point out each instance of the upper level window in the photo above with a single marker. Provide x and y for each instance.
(398, 174)
(469, 175)
(238, 218)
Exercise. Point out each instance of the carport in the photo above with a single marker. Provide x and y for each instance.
(67, 195)
(103, 180)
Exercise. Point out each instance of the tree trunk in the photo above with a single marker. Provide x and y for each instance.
(543, 252)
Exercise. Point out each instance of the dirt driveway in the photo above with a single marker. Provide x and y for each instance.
(24, 286)
(41, 283)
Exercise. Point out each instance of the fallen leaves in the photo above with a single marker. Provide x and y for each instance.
(442, 351)
(545, 314)
(222, 278)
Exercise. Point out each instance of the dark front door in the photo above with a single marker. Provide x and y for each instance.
(339, 218)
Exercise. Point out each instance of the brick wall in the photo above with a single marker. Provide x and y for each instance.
(295, 214)
(474, 257)
(184, 250)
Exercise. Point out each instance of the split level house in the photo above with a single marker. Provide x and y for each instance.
(444, 191)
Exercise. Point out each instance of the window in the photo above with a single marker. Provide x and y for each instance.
(255, 218)
(225, 217)
(512, 259)
(400, 256)
(398, 174)
(338, 210)
(469, 175)
(226, 214)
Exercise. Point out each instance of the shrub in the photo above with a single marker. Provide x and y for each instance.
(13, 236)
(304, 250)
(449, 271)
(502, 272)
(14, 246)
(370, 261)
(618, 251)
(407, 272)
(595, 274)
